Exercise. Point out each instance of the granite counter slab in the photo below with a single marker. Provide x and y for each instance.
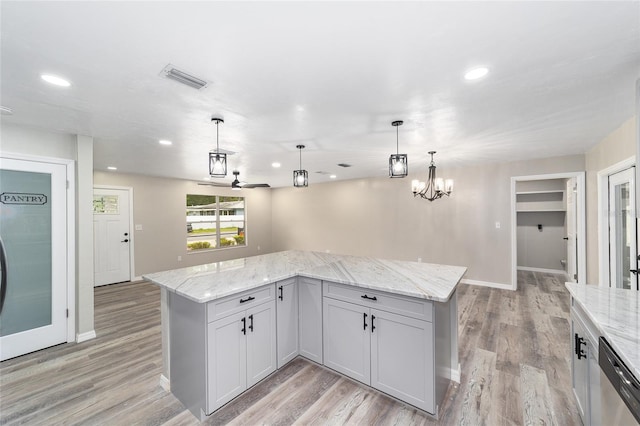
(616, 314)
(204, 283)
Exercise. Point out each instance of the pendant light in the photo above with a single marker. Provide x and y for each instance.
(300, 177)
(398, 165)
(217, 159)
(435, 187)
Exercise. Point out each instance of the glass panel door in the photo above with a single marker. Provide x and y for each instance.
(622, 230)
(33, 251)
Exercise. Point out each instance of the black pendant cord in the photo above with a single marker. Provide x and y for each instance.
(300, 150)
(217, 141)
(397, 143)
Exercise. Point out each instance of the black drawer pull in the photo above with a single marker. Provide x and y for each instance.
(369, 298)
(248, 299)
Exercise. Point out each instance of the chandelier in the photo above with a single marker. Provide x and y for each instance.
(217, 159)
(434, 188)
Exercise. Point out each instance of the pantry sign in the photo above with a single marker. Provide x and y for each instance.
(23, 198)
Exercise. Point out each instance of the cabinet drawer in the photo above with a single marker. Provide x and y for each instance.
(408, 306)
(238, 302)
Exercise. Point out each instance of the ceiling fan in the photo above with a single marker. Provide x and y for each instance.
(236, 184)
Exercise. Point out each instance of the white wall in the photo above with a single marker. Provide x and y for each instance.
(380, 217)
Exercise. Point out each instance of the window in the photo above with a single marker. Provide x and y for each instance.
(214, 222)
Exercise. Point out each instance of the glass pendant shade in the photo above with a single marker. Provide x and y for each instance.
(398, 166)
(398, 163)
(217, 159)
(300, 178)
(217, 164)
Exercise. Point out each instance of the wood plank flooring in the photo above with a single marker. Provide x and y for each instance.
(514, 352)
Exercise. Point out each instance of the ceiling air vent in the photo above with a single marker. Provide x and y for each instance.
(344, 165)
(175, 74)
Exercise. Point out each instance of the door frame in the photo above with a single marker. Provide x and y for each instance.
(132, 240)
(603, 216)
(581, 228)
(71, 232)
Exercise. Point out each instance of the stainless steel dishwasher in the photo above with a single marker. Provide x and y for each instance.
(619, 389)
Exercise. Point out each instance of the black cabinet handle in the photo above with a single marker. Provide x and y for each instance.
(364, 321)
(578, 342)
(373, 327)
(566, 238)
(251, 323)
(244, 326)
(369, 298)
(125, 241)
(248, 299)
(633, 271)
(280, 297)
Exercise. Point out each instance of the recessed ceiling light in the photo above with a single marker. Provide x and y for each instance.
(333, 176)
(275, 165)
(58, 81)
(165, 142)
(476, 73)
(5, 110)
(112, 168)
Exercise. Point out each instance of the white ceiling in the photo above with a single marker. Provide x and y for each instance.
(331, 75)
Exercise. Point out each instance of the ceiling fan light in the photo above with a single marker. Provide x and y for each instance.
(217, 164)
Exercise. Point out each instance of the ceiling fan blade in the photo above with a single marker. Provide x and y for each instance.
(222, 185)
(256, 185)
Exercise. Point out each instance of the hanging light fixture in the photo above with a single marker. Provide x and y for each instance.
(398, 165)
(300, 177)
(434, 188)
(217, 159)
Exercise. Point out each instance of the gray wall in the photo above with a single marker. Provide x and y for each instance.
(617, 146)
(159, 206)
(379, 217)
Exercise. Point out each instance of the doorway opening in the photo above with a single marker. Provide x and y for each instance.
(548, 225)
(617, 226)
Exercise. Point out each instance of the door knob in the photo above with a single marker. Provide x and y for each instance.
(566, 238)
(126, 233)
(125, 240)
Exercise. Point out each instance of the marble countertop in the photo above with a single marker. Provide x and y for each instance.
(204, 283)
(616, 314)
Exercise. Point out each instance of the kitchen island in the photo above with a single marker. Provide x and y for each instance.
(601, 312)
(391, 325)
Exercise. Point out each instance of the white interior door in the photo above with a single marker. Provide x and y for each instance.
(111, 236)
(33, 255)
(622, 230)
(572, 239)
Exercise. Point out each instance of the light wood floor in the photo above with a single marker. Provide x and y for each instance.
(514, 351)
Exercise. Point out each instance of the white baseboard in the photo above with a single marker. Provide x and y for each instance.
(487, 284)
(83, 337)
(137, 278)
(543, 270)
(165, 383)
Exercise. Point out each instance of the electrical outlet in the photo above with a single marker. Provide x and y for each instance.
(179, 258)
(258, 248)
(419, 259)
(138, 227)
(497, 225)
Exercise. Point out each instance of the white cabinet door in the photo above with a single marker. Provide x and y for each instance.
(402, 358)
(347, 339)
(261, 342)
(287, 320)
(226, 363)
(580, 368)
(310, 318)
(595, 411)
